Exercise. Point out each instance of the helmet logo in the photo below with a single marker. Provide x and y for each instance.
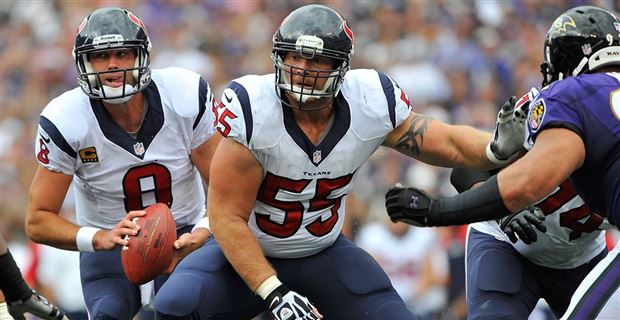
(564, 22)
(108, 41)
(587, 49)
(347, 30)
(309, 44)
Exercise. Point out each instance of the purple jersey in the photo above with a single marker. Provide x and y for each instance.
(589, 105)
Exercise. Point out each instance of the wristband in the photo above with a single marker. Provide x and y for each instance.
(4, 312)
(267, 286)
(202, 223)
(493, 158)
(84, 239)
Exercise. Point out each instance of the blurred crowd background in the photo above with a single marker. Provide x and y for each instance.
(458, 61)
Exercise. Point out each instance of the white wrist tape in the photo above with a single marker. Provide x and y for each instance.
(494, 158)
(265, 288)
(4, 312)
(84, 239)
(203, 223)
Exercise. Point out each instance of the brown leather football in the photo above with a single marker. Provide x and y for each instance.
(151, 250)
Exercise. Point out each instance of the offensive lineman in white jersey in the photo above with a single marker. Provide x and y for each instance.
(280, 179)
(129, 137)
(548, 264)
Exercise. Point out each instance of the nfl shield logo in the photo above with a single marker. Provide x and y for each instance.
(138, 148)
(316, 156)
(587, 49)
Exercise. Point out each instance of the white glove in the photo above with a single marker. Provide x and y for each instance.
(509, 132)
(36, 305)
(285, 304)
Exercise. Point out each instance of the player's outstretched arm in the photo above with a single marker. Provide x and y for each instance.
(520, 224)
(440, 144)
(555, 155)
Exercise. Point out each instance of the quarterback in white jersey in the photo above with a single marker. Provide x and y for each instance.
(113, 172)
(127, 138)
(281, 177)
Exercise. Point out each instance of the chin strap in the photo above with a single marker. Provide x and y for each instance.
(110, 91)
(580, 66)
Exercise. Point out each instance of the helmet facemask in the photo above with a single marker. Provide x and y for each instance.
(112, 29)
(311, 32)
(308, 97)
(135, 78)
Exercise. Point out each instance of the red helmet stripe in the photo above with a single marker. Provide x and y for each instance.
(347, 30)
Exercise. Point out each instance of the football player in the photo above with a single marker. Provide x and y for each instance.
(126, 138)
(573, 131)
(295, 141)
(20, 298)
(549, 263)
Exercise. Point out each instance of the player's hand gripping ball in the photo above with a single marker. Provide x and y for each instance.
(151, 250)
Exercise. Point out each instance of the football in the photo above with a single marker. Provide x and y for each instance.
(151, 250)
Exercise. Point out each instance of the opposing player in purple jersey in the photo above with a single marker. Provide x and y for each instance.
(573, 132)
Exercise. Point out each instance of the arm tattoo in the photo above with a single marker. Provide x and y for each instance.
(411, 142)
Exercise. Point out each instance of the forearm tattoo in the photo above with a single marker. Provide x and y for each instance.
(411, 142)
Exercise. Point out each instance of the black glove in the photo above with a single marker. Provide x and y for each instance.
(285, 304)
(521, 223)
(36, 305)
(412, 206)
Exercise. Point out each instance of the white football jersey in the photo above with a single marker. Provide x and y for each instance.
(574, 234)
(114, 173)
(301, 203)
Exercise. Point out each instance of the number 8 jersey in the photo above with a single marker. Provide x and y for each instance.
(113, 172)
(301, 202)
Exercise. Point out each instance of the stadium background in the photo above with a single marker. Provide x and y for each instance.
(457, 60)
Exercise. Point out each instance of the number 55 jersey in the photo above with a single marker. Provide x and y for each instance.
(115, 172)
(301, 202)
